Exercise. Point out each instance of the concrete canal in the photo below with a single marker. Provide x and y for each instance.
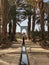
(24, 57)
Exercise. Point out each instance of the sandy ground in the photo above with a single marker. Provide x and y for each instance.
(38, 59)
(10, 59)
(36, 54)
(11, 56)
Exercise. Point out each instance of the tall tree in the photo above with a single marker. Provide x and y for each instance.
(29, 25)
(48, 17)
(29, 14)
(13, 17)
(33, 24)
(10, 27)
(42, 18)
(5, 17)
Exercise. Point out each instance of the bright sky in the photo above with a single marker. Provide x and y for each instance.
(24, 23)
(45, 0)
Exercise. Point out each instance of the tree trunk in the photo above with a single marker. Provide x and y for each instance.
(14, 28)
(48, 27)
(42, 24)
(33, 26)
(48, 19)
(10, 27)
(29, 25)
(42, 20)
(5, 18)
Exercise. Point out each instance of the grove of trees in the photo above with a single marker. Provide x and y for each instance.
(11, 10)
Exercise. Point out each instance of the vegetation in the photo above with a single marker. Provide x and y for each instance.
(12, 14)
(29, 13)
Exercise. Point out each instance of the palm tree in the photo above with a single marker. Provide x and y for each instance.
(14, 28)
(5, 17)
(42, 19)
(10, 26)
(29, 14)
(13, 17)
(33, 24)
(48, 16)
(29, 25)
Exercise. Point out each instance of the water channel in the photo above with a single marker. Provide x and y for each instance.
(24, 58)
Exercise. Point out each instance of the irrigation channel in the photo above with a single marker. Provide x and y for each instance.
(24, 57)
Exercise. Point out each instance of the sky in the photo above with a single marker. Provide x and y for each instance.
(45, 0)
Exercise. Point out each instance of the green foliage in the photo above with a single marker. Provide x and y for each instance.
(13, 11)
(11, 2)
(28, 10)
